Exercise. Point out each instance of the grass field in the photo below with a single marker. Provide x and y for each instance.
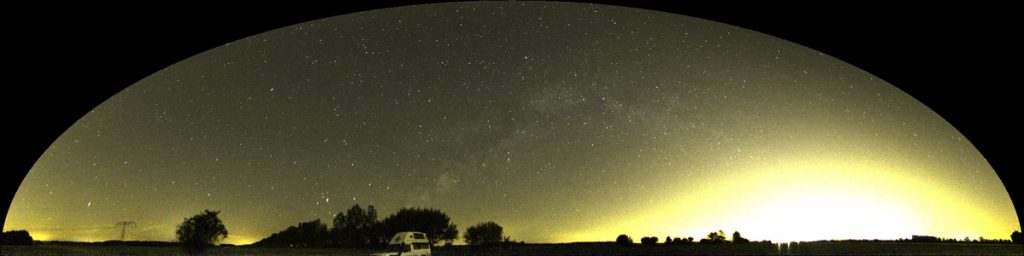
(806, 248)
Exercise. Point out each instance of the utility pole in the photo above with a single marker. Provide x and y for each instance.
(124, 225)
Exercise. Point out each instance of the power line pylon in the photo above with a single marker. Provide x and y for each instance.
(124, 225)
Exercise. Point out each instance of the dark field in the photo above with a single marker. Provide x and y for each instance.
(806, 248)
(82, 250)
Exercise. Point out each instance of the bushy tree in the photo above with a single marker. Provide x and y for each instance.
(201, 231)
(624, 240)
(311, 234)
(649, 240)
(436, 224)
(1017, 237)
(449, 235)
(357, 227)
(16, 237)
(668, 240)
(714, 238)
(487, 233)
(737, 239)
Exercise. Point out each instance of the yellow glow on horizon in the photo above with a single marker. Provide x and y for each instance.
(49, 236)
(40, 236)
(239, 240)
(59, 235)
(810, 200)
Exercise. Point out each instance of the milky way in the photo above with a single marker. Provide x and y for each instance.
(548, 118)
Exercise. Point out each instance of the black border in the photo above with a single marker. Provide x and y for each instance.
(65, 60)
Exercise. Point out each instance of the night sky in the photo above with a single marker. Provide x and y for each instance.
(561, 122)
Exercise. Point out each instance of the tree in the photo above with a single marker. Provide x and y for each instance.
(305, 234)
(650, 240)
(201, 231)
(668, 239)
(486, 233)
(624, 240)
(436, 224)
(16, 237)
(311, 234)
(714, 238)
(375, 229)
(737, 239)
(1017, 237)
(357, 227)
(449, 234)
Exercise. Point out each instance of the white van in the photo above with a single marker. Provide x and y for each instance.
(407, 244)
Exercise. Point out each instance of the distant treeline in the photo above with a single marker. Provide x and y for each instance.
(359, 228)
(929, 239)
(979, 240)
(719, 238)
(895, 247)
(712, 238)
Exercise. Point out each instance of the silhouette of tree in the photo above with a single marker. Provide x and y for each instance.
(508, 242)
(311, 234)
(714, 238)
(201, 231)
(1017, 237)
(649, 240)
(487, 233)
(305, 234)
(737, 239)
(337, 234)
(436, 224)
(285, 238)
(449, 234)
(668, 240)
(16, 237)
(624, 240)
(357, 227)
(677, 240)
